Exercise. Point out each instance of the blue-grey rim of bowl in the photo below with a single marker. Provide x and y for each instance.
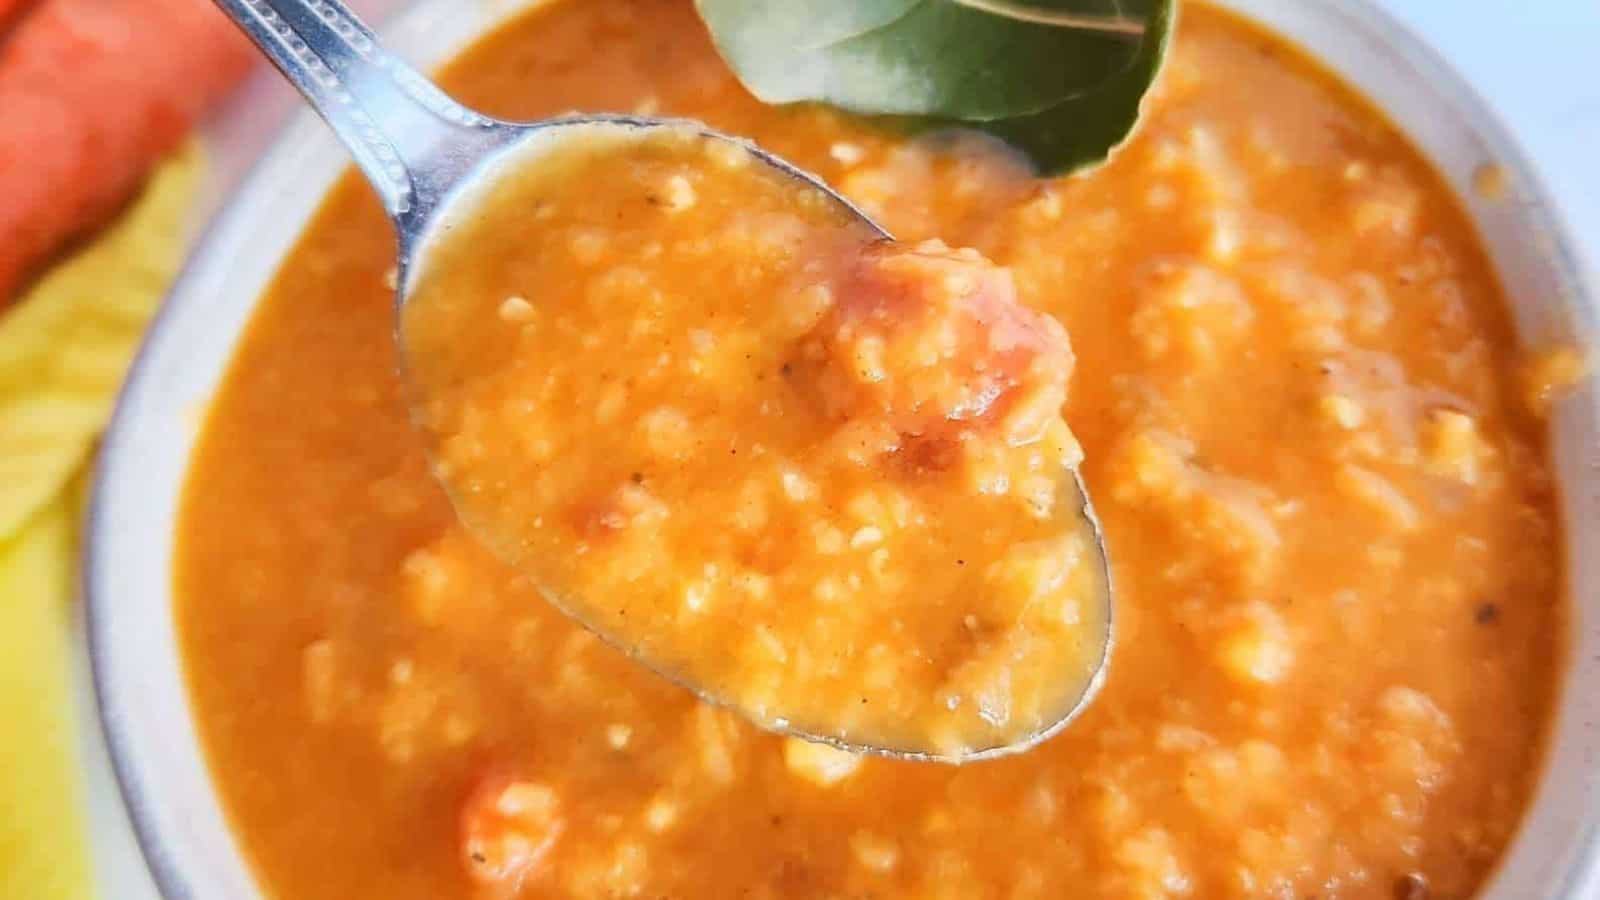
(1363, 17)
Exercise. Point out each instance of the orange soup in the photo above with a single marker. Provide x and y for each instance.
(820, 475)
(1325, 500)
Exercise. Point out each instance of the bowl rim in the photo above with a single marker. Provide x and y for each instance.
(413, 28)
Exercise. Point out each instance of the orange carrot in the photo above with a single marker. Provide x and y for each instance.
(9, 10)
(92, 93)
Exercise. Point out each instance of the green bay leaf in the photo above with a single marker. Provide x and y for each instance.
(1082, 130)
(1060, 80)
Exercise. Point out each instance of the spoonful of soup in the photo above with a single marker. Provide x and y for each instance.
(722, 419)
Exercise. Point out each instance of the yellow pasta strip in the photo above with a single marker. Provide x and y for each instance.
(43, 853)
(65, 346)
(64, 349)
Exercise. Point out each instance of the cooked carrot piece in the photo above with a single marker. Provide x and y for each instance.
(94, 92)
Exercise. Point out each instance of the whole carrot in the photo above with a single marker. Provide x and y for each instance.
(92, 93)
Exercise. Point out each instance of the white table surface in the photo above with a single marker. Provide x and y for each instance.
(1537, 63)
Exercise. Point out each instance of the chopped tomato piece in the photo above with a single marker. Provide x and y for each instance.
(928, 335)
(508, 828)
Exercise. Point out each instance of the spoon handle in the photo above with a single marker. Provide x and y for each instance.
(411, 140)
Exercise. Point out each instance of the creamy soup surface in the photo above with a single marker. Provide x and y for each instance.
(1316, 453)
(819, 475)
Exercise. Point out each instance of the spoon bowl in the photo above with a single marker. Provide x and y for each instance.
(513, 147)
(432, 161)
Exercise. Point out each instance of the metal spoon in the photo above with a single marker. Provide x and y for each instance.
(423, 153)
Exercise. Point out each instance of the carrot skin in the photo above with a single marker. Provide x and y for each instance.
(10, 10)
(92, 94)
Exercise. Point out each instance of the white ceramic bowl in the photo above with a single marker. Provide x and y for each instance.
(137, 672)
